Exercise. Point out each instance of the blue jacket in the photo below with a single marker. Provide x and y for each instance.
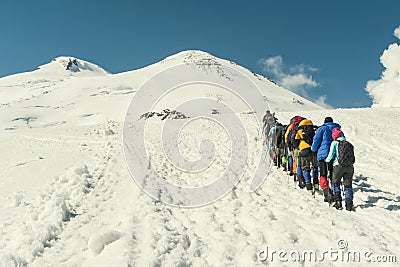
(323, 139)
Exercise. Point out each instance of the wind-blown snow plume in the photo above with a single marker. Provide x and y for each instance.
(385, 92)
(297, 79)
(321, 101)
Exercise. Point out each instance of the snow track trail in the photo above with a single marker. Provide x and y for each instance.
(95, 215)
(61, 207)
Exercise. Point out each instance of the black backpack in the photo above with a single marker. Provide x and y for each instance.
(308, 133)
(280, 136)
(292, 134)
(346, 153)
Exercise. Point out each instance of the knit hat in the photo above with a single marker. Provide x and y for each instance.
(336, 132)
(328, 119)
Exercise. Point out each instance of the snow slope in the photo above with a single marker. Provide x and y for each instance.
(67, 198)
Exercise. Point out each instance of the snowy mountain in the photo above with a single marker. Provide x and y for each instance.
(67, 197)
(51, 92)
(64, 65)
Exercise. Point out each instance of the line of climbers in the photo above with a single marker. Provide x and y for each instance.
(316, 157)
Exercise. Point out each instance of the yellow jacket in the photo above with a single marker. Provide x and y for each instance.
(289, 128)
(299, 135)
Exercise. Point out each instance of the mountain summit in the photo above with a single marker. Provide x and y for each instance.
(72, 90)
(66, 65)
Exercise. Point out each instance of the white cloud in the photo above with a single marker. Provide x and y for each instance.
(273, 65)
(302, 69)
(385, 92)
(397, 32)
(295, 78)
(296, 81)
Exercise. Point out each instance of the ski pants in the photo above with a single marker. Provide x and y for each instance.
(309, 169)
(307, 162)
(279, 155)
(326, 171)
(346, 173)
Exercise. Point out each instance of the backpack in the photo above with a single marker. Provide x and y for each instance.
(280, 136)
(308, 134)
(295, 121)
(346, 153)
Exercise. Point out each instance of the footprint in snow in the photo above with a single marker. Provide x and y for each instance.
(98, 241)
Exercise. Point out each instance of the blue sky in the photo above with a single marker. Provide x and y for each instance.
(332, 46)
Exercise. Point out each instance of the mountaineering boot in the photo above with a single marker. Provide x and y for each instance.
(338, 202)
(284, 163)
(309, 187)
(349, 205)
(328, 195)
(302, 183)
(315, 180)
(316, 187)
(307, 179)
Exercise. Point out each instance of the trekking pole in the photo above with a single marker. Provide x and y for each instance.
(330, 188)
(342, 187)
(288, 177)
(287, 167)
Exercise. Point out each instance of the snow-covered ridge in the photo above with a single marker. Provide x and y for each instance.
(65, 65)
(71, 90)
(206, 61)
